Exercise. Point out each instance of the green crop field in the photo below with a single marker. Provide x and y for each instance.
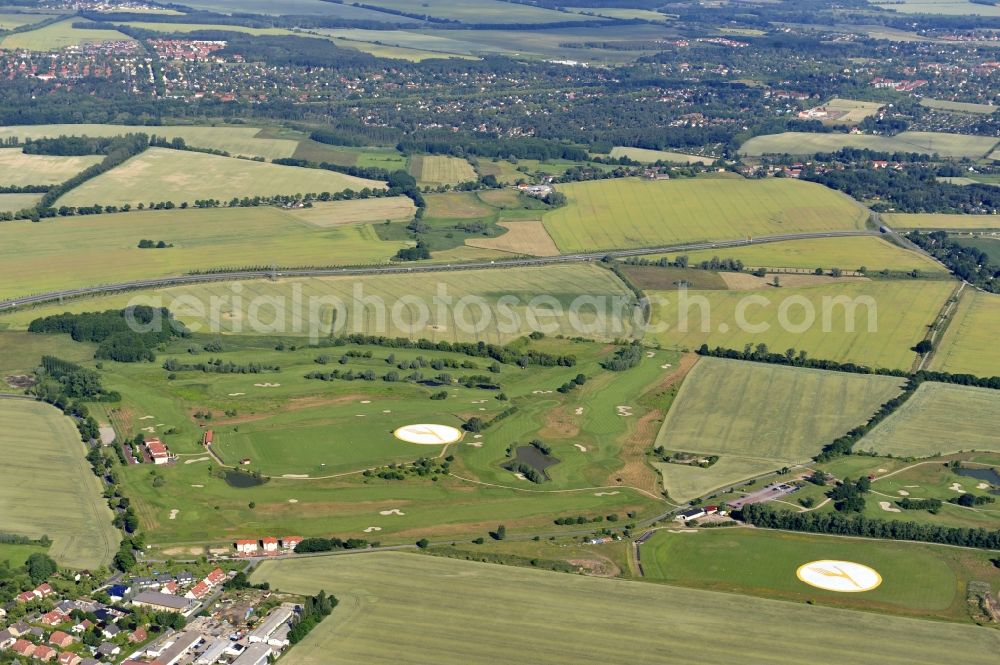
(474, 11)
(969, 344)
(11, 21)
(383, 158)
(960, 107)
(407, 44)
(481, 316)
(888, 319)
(171, 28)
(159, 174)
(17, 168)
(17, 202)
(50, 489)
(622, 213)
(294, 7)
(939, 419)
(763, 563)
(99, 249)
(397, 605)
(845, 253)
(944, 221)
(684, 482)
(805, 143)
(985, 244)
(238, 141)
(649, 156)
(59, 35)
(440, 170)
(946, 7)
(768, 414)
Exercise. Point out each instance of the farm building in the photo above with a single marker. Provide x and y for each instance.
(692, 514)
(209, 437)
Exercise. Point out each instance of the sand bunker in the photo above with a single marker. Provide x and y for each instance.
(541, 392)
(236, 394)
(957, 487)
(197, 486)
(359, 415)
(983, 486)
(888, 507)
(476, 444)
(882, 471)
(650, 354)
(624, 411)
(149, 429)
(173, 514)
(606, 493)
(666, 366)
(366, 401)
(394, 511)
(200, 459)
(903, 493)
(267, 385)
(386, 411)
(295, 475)
(372, 528)
(293, 501)
(579, 411)
(520, 476)
(147, 418)
(582, 449)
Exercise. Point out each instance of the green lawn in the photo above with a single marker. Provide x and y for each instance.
(969, 344)
(50, 489)
(805, 143)
(160, 174)
(959, 107)
(396, 605)
(844, 253)
(890, 317)
(236, 140)
(99, 249)
(622, 213)
(939, 419)
(759, 562)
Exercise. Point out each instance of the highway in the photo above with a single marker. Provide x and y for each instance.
(57, 296)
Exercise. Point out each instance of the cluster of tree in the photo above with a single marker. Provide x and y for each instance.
(423, 468)
(475, 424)
(419, 252)
(314, 610)
(540, 446)
(392, 376)
(330, 544)
(526, 470)
(968, 263)
(624, 358)
(762, 515)
(241, 581)
(124, 335)
(69, 146)
(446, 143)
(909, 190)
(507, 355)
(583, 519)
(570, 386)
(968, 500)
(219, 366)
(848, 496)
(930, 505)
(154, 244)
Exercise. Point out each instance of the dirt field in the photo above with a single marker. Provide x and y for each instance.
(521, 238)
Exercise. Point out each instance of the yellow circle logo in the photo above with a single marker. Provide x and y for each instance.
(842, 576)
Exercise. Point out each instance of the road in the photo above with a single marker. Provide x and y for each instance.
(56, 296)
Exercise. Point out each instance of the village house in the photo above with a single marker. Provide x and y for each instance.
(23, 648)
(6, 639)
(53, 618)
(270, 545)
(198, 591)
(215, 578)
(246, 546)
(68, 658)
(60, 639)
(291, 542)
(44, 653)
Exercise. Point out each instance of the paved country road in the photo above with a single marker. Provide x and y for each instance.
(56, 296)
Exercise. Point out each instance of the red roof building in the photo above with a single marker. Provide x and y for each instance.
(68, 658)
(44, 590)
(26, 597)
(138, 635)
(270, 544)
(215, 577)
(53, 618)
(209, 436)
(198, 591)
(290, 542)
(60, 639)
(23, 648)
(44, 653)
(158, 451)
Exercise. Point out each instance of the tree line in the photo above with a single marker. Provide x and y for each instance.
(113, 331)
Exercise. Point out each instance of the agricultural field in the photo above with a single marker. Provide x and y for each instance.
(942, 221)
(44, 457)
(845, 253)
(357, 211)
(969, 344)
(767, 414)
(383, 158)
(406, 44)
(440, 170)
(293, 7)
(504, 171)
(21, 353)
(763, 563)
(625, 213)
(17, 202)
(953, 146)
(926, 426)
(174, 28)
(161, 174)
(527, 237)
(17, 168)
(482, 315)
(889, 318)
(11, 21)
(650, 156)
(474, 11)
(684, 482)
(418, 596)
(237, 141)
(100, 249)
(958, 107)
(59, 35)
(620, 13)
(946, 7)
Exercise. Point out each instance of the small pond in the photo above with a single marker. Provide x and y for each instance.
(532, 457)
(990, 476)
(242, 480)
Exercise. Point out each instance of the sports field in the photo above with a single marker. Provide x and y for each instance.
(845, 253)
(242, 141)
(99, 249)
(769, 415)
(650, 156)
(159, 174)
(944, 221)
(763, 563)
(60, 35)
(397, 605)
(17, 168)
(805, 143)
(888, 319)
(959, 107)
(440, 170)
(969, 344)
(939, 419)
(623, 213)
(50, 489)
(17, 202)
